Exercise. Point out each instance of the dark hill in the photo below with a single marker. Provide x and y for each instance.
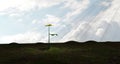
(71, 52)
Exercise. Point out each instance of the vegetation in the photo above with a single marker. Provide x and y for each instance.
(62, 53)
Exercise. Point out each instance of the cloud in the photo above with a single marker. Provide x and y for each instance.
(26, 5)
(102, 28)
(72, 24)
(49, 19)
(21, 6)
(35, 21)
(105, 3)
(99, 32)
(76, 33)
(76, 6)
(48, 3)
(28, 37)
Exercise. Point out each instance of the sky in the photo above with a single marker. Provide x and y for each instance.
(24, 21)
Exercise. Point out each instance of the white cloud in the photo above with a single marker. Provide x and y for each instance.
(1, 13)
(109, 13)
(12, 15)
(16, 7)
(28, 37)
(35, 21)
(99, 32)
(103, 27)
(76, 33)
(52, 19)
(96, 28)
(76, 6)
(20, 6)
(105, 3)
(20, 20)
(48, 3)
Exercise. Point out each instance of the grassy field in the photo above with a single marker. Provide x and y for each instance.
(64, 53)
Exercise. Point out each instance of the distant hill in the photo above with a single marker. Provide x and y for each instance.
(68, 42)
(70, 52)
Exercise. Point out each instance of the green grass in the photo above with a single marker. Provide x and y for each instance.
(85, 53)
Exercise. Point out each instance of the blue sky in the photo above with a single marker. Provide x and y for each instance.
(80, 20)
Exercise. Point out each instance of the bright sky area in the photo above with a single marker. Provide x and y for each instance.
(24, 21)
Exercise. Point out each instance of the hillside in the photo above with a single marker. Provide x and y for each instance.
(61, 53)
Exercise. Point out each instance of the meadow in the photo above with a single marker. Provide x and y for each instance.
(61, 53)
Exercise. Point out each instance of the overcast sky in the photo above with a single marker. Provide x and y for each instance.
(80, 20)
